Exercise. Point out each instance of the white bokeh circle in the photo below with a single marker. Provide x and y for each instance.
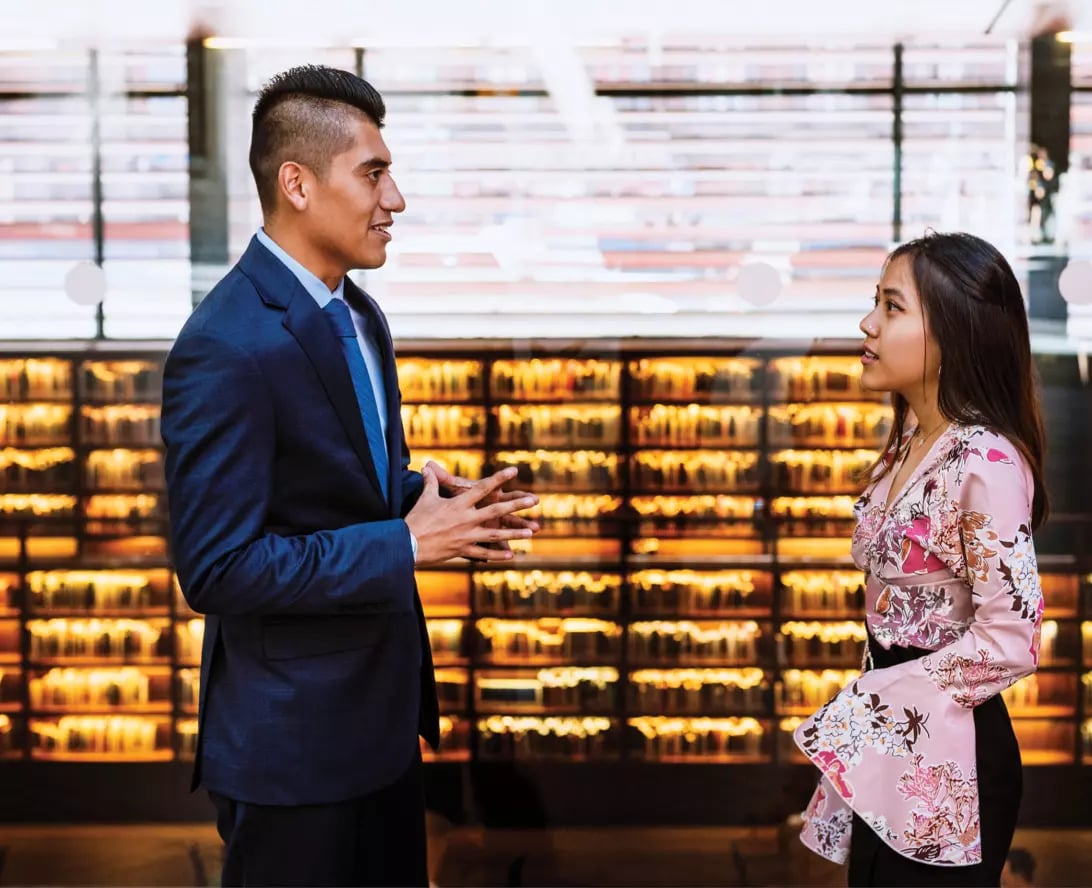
(85, 284)
(759, 283)
(1075, 283)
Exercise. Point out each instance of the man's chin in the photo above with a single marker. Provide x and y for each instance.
(371, 259)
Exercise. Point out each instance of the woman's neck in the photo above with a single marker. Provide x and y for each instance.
(926, 411)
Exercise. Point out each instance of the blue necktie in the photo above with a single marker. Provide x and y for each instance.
(338, 314)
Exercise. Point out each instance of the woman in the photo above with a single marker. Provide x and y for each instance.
(921, 770)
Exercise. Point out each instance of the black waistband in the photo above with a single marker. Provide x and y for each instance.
(883, 657)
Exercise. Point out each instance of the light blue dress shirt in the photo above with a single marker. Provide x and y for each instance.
(322, 295)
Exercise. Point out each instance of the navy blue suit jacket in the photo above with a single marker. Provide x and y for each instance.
(316, 673)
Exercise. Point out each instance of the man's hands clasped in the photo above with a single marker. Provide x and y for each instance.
(476, 521)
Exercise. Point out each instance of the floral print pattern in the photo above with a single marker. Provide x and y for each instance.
(978, 541)
(854, 720)
(831, 829)
(945, 821)
(921, 610)
(897, 745)
(970, 680)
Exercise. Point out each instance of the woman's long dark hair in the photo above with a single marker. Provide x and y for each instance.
(975, 311)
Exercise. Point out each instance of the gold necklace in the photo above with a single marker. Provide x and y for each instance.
(920, 439)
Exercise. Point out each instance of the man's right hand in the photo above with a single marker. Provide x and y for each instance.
(454, 527)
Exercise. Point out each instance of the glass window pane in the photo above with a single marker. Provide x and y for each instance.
(1081, 63)
(155, 69)
(658, 202)
(145, 180)
(959, 64)
(45, 193)
(961, 166)
(1075, 196)
(43, 73)
(719, 61)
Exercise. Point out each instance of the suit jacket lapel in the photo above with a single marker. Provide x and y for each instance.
(306, 322)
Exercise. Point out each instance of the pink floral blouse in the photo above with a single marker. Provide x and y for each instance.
(950, 567)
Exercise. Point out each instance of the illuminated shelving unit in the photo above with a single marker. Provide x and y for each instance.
(689, 599)
(86, 601)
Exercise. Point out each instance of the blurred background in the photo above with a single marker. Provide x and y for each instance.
(639, 238)
(593, 163)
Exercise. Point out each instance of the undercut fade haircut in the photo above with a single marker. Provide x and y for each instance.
(305, 115)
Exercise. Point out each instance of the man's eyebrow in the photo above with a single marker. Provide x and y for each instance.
(372, 163)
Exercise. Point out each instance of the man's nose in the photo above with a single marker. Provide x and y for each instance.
(393, 200)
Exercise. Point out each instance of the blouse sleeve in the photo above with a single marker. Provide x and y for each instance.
(1001, 645)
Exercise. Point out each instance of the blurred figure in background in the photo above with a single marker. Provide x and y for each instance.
(1042, 187)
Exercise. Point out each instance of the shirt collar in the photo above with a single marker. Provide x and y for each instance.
(318, 290)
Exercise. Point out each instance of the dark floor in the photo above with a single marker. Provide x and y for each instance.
(186, 854)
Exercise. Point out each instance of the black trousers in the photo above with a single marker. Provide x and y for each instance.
(1000, 783)
(377, 839)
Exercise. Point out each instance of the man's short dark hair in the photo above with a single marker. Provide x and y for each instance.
(1022, 863)
(304, 114)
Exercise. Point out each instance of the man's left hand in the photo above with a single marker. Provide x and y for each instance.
(455, 484)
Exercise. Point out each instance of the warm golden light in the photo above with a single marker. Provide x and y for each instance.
(833, 591)
(91, 588)
(23, 378)
(696, 679)
(558, 426)
(809, 688)
(695, 425)
(742, 507)
(567, 506)
(831, 425)
(35, 460)
(75, 688)
(95, 639)
(556, 378)
(464, 463)
(96, 734)
(443, 425)
(37, 504)
(825, 632)
(434, 380)
(558, 726)
(684, 377)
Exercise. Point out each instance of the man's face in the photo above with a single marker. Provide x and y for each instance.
(351, 209)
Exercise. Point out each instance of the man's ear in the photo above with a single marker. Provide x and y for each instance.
(293, 182)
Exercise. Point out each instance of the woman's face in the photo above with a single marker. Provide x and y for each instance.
(899, 350)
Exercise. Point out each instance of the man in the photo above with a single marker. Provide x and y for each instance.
(296, 524)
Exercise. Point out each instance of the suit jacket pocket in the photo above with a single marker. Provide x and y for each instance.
(294, 637)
